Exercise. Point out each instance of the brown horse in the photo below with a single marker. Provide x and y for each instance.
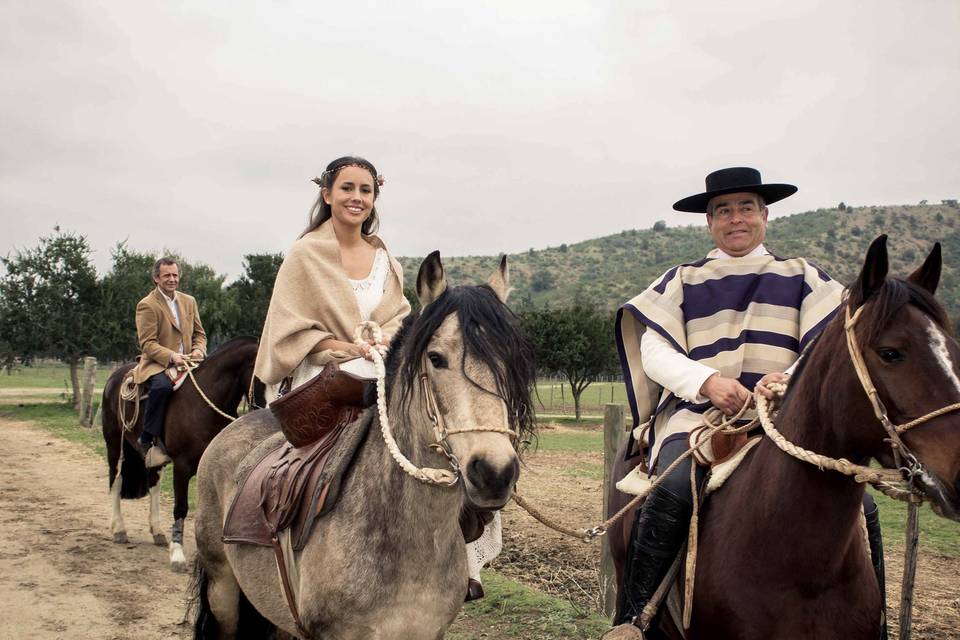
(782, 553)
(189, 427)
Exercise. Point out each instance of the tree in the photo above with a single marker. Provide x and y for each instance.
(121, 289)
(247, 299)
(660, 225)
(575, 342)
(542, 280)
(49, 301)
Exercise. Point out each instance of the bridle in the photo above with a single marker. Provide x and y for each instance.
(441, 432)
(904, 459)
(440, 429)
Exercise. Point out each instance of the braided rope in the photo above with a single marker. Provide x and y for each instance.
(442, 477)
(713, 420)
(887, 481)
(204, 396)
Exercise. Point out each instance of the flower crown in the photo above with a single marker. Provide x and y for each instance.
(323, 180)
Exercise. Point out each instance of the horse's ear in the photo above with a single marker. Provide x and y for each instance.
(928, 275)
(431, 283)
(874, 272)
(500, 280)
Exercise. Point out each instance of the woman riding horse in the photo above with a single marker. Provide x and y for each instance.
(389, 561)
(337, 274)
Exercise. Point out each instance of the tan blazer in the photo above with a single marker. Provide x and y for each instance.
(159, 336)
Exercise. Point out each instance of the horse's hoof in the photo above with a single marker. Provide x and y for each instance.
(120, 537)
(178, 562)
(623, 632)
(159, 539)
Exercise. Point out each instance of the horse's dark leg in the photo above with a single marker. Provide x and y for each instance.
(181, 485)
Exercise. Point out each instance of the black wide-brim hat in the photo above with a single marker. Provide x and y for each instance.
(734, 180)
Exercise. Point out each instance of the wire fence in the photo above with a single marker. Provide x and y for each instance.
(554, 396)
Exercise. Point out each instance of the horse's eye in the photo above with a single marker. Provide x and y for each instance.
(437, 360)
(889, 354)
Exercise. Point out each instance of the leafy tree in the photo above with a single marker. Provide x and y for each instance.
(542, 280)
(247, 300)
(127, 282)
(575, 342)
(660, 225)
(49, 301)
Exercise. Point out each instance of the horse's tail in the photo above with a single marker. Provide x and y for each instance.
(136, 479)
(251, 625)
(205, 626)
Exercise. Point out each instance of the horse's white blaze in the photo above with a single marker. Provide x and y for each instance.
(116, 517)
(155, 509)
(938, 343)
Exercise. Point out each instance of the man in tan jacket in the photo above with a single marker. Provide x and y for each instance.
(168, 329)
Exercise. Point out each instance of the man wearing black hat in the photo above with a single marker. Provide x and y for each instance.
(705, 334)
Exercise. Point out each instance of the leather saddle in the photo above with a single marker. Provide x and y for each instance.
(288, 487)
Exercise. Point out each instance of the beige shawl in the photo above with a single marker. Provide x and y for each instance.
(313, 301)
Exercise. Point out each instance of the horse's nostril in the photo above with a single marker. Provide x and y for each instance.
(487, 476)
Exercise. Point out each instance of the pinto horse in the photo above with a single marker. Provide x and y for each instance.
(390, 560)
(781, 550)
(190, 425)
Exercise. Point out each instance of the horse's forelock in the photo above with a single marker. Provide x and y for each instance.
(882, 307)
(491, 333)
(891, 298)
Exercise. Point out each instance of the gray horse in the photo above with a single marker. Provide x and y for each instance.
(389, 561)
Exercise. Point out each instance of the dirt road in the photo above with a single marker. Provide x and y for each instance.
(61, 576)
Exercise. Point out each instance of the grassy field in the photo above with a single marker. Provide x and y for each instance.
(554, 397)
(47, 376)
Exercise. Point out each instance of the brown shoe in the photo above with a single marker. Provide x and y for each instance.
(474, 590)
(623, 632)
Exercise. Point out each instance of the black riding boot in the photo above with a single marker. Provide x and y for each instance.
(658, 534)
(876, 557)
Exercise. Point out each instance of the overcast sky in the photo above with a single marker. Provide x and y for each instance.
(499, 126)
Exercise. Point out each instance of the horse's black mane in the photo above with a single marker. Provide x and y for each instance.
(491, 333)
(884, 305)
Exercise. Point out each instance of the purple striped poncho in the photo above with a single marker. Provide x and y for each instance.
(744, 317)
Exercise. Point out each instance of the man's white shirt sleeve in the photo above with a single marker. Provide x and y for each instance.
(671, 369)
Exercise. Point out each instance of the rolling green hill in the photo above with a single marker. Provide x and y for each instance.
(610, 270)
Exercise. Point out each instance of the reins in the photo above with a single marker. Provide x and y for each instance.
(440, 477)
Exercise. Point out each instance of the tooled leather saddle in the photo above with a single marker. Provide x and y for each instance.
(287, 483)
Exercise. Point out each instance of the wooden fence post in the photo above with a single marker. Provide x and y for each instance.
(614, 429)
(86, 399)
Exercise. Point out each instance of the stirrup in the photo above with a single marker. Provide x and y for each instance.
(625, 631)
(156, 456)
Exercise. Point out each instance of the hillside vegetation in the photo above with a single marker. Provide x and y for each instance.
(610, 270)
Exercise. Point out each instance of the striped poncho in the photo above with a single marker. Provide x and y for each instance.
(744, 317)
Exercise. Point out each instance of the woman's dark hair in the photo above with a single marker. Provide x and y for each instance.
(320, 211)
